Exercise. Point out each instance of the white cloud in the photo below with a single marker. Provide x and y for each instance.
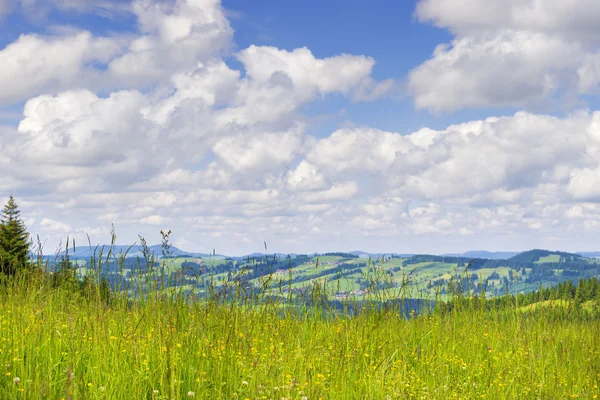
(226, 157)
(509, 68)
(85, 142)
(162, 199)
(36, 64)
(305, 72)
(359, 149)
(55, 226)
(584, 184)
(154, 220)
(589, 74)
(337, 192)
(108, 217)
(370, 90)
(509, 53)
(174, 36)
(259, 150)
(574, 212)
(468, 178)
(575, 18)
(305, 177)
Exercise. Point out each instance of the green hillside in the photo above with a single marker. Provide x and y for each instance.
(422, 276)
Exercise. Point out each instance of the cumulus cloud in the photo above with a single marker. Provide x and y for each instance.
(305, 177)
(584, 184)
(526, 54)
(105, 153)
(304, 71)
(154, 220)
(224, 154)
(509, 68)
(467, 178)
(55, 226)
(173, 37)
(360, 149)
(35, 64)
(82, 142)
(259, 150)
(466, 17)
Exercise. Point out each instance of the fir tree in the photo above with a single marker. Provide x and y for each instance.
(14, 239)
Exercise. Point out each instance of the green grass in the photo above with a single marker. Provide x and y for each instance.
(546, 304)
(57, 343)
(551, 258)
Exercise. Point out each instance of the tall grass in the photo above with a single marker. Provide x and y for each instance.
(57, 342)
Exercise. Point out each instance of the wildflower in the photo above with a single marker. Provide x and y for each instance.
(191, 394)
(304, 398)
(155, 391)
(244, 383)
(16, 380)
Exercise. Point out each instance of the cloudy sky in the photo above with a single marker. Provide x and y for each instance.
(408, 126)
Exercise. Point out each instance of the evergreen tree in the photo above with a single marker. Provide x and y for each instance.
(14, 239)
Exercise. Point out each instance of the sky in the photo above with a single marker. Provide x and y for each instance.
(418, 126)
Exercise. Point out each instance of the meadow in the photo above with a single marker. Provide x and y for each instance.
(63, 341)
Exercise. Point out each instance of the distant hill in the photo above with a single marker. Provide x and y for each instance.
(531, 256)
(270, 255)
(589, 254)
(86, 252)
(365, 254)
(542, 256)
(520, 273)
(497, 255)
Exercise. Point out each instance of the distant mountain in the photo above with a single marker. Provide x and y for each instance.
(86, 252)
(496, 255)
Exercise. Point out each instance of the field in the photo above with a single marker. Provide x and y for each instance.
(56, 342)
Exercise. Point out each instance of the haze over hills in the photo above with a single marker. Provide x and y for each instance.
(129, 251)
(496, 255)
(84, 252)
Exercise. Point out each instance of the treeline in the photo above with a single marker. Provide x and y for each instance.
(586, 293)
(343, 255)
(569, 266)
(532, 256)
(585, 290)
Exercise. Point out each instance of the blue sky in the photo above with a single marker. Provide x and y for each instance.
(414, 126)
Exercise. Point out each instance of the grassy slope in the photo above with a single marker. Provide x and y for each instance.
(62, 346)
(552, 258)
